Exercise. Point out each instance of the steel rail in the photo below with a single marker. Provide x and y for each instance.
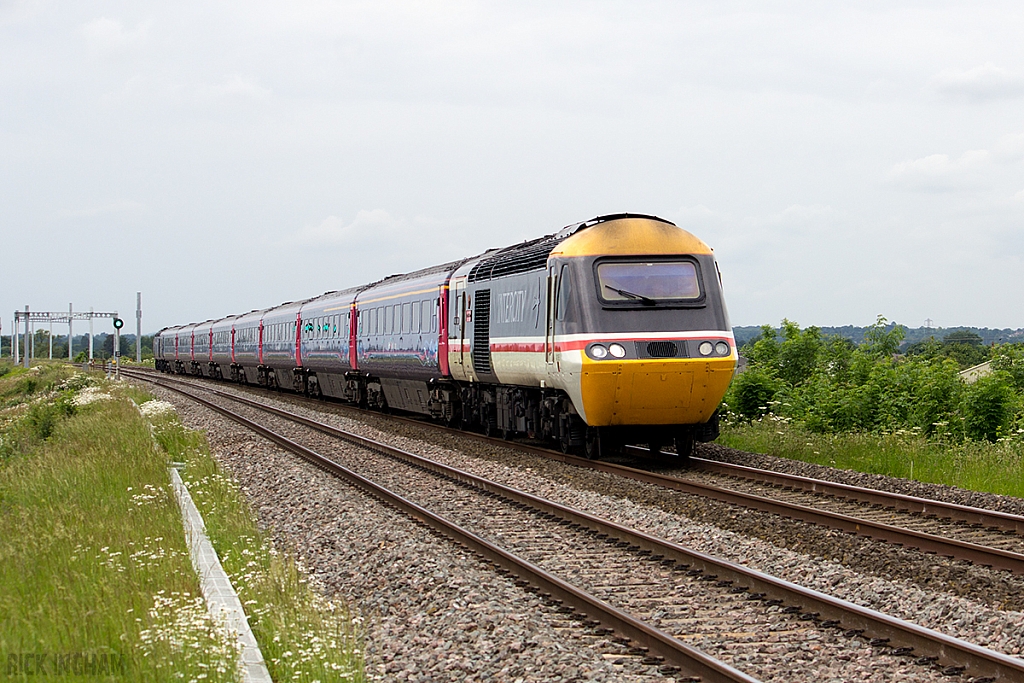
(814, 605)
(688, 658)
(925, 542)
(925, 506)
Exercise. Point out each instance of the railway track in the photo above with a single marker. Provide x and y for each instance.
(662, 588)
(988, 538)
(992, 529)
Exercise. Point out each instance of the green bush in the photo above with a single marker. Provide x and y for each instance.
(988, 406)
(752, 392)
(1009, 358)
(831, 386)
(43, 417)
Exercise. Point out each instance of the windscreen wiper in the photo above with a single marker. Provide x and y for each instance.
(632, 295)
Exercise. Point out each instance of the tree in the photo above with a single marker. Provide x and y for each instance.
(963, 337)
(881, 339)
(798, 353)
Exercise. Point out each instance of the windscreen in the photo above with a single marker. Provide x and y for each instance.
(648, 283)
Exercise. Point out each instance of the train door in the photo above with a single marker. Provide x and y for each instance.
(459, 297)
(550, 358)
(353, 331)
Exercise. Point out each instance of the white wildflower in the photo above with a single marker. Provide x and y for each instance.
(91, 395)
(156, 408)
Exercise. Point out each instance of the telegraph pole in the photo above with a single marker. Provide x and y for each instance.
(138, 327)
(26, 336)
(71, 343)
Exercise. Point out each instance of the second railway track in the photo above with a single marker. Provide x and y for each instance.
(669, 585)
(986, 537)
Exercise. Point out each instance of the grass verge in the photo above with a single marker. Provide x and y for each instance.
(975, 465)
(304, 636)
(95, 578)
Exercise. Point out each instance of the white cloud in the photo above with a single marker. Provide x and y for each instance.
(985, 82)
(1019, 196)
(124, 206)
(1010, 147)
(939, 171)
(17, 11)
(802, 214)
(377, 243)
(334, 232)
(109, 35)
(697, 217)
(245, 87)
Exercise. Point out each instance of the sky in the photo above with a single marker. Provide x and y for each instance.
(844, 160)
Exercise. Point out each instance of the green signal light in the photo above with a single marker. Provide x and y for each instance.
(118, 323)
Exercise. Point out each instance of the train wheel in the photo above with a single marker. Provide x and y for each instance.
(599, 444)
(592, 448)
(684, 447)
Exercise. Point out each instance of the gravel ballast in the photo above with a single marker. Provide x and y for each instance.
(432, 611)
(934, 592)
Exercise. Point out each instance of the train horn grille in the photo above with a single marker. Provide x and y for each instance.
(657, 349)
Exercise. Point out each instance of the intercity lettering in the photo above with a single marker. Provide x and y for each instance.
(511, 307)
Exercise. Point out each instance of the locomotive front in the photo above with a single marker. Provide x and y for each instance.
(642, 340)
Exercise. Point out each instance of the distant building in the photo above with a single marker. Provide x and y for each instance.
(972, 375)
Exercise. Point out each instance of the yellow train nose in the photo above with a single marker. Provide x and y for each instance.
(653, 392)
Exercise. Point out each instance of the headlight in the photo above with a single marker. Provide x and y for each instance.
(617, 350)
(722, 349)
(706, 348)
(598, 351)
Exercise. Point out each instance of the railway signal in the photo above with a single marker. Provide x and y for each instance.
(118, 324)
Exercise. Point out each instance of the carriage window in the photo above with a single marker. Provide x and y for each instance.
(406, 318)
(415, 326)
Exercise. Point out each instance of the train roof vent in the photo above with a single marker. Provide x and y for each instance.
(521, 258)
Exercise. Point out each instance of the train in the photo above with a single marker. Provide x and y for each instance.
(609, 332)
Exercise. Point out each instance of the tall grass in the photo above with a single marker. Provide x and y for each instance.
(95, 577)
(304, 637)
(975, 465)
(94, 572)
